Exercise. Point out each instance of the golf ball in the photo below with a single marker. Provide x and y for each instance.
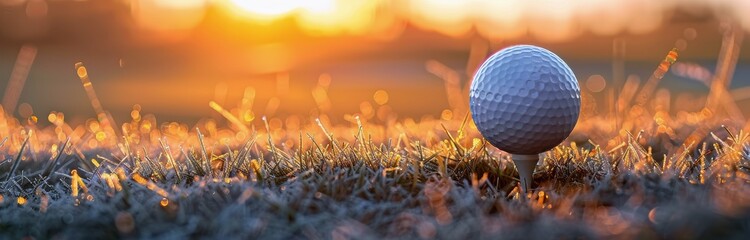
(525, 100)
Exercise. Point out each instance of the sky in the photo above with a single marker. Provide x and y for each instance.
(172, 57)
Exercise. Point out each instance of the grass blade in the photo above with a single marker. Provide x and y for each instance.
(17, 161)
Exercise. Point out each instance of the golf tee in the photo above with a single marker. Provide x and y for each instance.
(525, 165)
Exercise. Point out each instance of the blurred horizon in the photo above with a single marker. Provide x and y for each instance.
(172, 57)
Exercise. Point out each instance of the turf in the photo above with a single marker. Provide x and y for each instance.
(455, 186)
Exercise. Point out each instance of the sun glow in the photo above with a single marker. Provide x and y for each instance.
(317, 17)
(168, 15)
(262, 9)
(344, 16)
(547, 20)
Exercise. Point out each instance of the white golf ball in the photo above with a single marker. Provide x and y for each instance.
(525, 100)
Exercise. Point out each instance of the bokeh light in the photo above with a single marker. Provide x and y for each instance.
(596, 83)
(380, 97)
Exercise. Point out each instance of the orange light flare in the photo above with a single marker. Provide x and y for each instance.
(718, 98)
(18, 76)
(452, 80)
(228, 115)
(246, 104)
(272, 106)
(320, 93)
(104, 117)
(650, 86)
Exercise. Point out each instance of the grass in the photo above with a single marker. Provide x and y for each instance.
(679, 177)
(455, 186)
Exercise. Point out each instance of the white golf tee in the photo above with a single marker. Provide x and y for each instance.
(525, 165)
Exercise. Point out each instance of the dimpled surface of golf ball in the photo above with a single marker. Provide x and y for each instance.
(525, 100)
